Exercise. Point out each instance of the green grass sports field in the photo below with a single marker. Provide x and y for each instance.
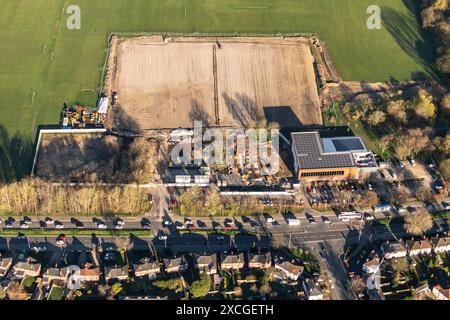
(43, 64)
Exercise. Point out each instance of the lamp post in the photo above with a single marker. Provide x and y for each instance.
(164, 238)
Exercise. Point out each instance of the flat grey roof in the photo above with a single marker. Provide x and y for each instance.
(311, 155)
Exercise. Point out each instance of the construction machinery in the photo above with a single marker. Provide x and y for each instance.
(78, 117)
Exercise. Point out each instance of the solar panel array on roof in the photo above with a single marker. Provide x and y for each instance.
(310, 153)
(348, 144)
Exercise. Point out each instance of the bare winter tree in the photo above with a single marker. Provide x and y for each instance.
(418, 223)
(356, 286)
(17, 292)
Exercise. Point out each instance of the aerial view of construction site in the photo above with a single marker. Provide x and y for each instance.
(241, 151)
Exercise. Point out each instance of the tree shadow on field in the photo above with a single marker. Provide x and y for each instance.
(407, 32)
(199, 113)
(243, 109)
(123, 122)
(16, 156)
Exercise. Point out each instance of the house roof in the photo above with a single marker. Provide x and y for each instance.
(261, 258)
(90, 272)
(233, 258)
(27, 266)
(146, 266)
(372, 263)
(290, 267)
(112, 272)
(56, 272)
(174, 262)
(312, 289)
(392, 247)
(444, 292)
(5, 262)
(418, 245)
(311, 154)
(206, 259)
(440, 242)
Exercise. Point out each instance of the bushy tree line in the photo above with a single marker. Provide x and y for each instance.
(436, 19)
(35, 196)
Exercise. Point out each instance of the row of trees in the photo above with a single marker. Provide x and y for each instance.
(35, 196)
(435, 18)
(198, 201)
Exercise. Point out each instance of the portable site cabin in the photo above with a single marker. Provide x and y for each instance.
(103, 105)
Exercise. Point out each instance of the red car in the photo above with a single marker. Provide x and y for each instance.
(61, 240)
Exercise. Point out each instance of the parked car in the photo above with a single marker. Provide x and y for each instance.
(412, 162)
(268, 218)
(49, 221)
(61, 240)
(118, 226)
(311, 220)
(59, 225)
(21, 236)
(167, 223)
(368, 216)
(326, 220)
(120, 222)
(23, 225)
(446, 205)
(27, 220)
(101, 225)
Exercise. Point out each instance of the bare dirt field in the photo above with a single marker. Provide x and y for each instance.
(170, 84)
